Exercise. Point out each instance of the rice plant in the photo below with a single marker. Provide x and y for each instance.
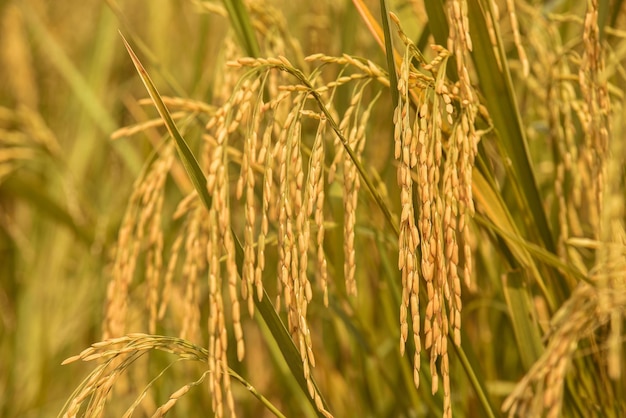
(326, 209)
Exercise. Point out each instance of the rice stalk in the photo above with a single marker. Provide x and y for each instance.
(502, 121)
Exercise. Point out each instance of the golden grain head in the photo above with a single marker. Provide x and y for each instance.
(278, 203)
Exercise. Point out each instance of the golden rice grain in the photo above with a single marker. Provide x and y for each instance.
(521, 52)
(315, 202)
(445, 201)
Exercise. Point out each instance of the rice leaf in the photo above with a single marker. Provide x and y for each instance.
(497, 88)
(240, 20)
(389, 52)
(523, 318)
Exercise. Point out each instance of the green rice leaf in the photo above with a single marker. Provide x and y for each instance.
(523, 318)
(240, 20)
(391, 64)
(497, 88)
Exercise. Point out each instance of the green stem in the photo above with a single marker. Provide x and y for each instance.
(475, 382)
(258, 395)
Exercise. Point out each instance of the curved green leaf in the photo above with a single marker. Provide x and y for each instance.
(497, 88)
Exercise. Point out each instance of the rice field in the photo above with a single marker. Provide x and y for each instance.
(318, 209)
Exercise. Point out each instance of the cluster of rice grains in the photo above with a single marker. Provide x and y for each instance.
(439, 167)
(291, 199)
(578, 124)
(258, 128)
(588, 188)
(116, 356)
(540, 391)
(262, 127)
(264, 138)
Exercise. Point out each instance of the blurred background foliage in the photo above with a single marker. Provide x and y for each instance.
(66, 84)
